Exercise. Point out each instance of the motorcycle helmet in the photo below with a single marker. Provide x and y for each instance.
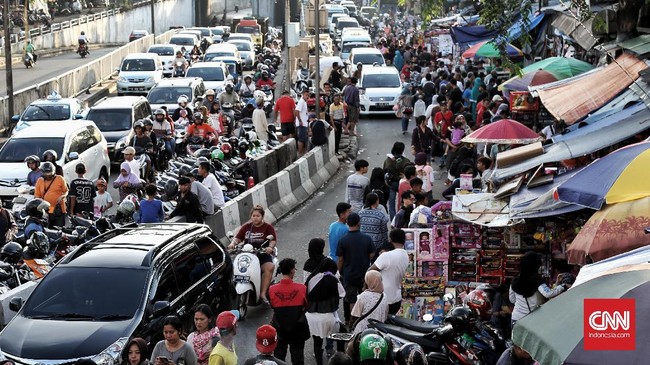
(459, 317)
(243, 146)
(251, 135)
(37, 207)
(229, 86)
(183, 99)
(489, 290)
(159, 111)
(138, 124)
(265, 72)
(171, 189)
(33, 158)
(202, 152)
(373, 347)
(11, 252)
(184, 170)
(147, 122)
(197, 116)
(259, 97)
(267, 62)
(38, 244)
(202, 159)
(195, 173)
(217, 155)
(210, 92)
(233, 141)
(410, 354)
(227, 107)
(126, 207)
(226, 148)
(479, 301)
(47, 168)
(248, 77)
(259, 67)
(51, 154)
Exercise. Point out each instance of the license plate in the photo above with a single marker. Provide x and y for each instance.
(137, 88)
(241, 279)
(382, 104)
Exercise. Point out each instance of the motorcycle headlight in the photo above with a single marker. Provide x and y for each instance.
(111, 355)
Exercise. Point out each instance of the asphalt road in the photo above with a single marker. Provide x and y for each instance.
(313, 218)
(47, 68)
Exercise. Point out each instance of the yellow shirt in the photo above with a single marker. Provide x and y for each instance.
(220, 355)
(51, 190)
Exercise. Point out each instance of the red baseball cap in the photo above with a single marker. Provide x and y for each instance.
(226, 321)
(267, 339)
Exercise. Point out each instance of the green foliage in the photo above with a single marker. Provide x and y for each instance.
(431, 9)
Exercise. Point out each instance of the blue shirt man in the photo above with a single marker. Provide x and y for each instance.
(339, 228)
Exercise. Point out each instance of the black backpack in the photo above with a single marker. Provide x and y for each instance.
(318, 133)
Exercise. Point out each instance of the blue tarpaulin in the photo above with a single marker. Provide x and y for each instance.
(469, 35)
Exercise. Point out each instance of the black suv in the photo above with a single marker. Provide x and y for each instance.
(115, 287)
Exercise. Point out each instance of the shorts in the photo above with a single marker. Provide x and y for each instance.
(353, 114)
(288, 128)
(303, 134)
(264, 258)
(351, 292)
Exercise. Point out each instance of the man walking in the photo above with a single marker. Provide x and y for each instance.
(392, 266)
(339, 228)
(356, 185)
(351, 97)
(82, 192)
(374, 222)
(302, 123)
(355, 250)
(267, 341)
(289, 302)
(224, 352)
(285, 109)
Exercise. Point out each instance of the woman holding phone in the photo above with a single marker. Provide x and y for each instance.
(173, 350)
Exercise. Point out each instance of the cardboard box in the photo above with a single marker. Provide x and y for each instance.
(519, 154)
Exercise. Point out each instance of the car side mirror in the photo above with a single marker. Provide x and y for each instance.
(161, 308)
(15, 118)
(230, 235)
(15, 303)
(73, 156)
(78, 116)
(117, 69)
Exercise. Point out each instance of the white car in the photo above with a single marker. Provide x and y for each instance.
(367, 56)
(45, 111)
(214, 74)
(246, 52)
(79, 142)
(139, 72)
(167, 92)
(221, 50)
(166, 53)
(379, 89)
(185, 40)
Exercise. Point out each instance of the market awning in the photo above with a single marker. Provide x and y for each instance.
(482, 209)
(639, 45)
(590, 93)
(581, 33)
(591, 138)
(519, 27)
(469, 35)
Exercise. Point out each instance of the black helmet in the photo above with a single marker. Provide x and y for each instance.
(39, 244)
(50, 153)
(36, 207)
(47, 168)
(410, 354)
(184, 170)
(33, 158)
(459, 317)
(195, 173)
(202, 152)
(148, 121)
(197, 115)
(138, 123)
(11, 252)
(202, 159)
(171, 189)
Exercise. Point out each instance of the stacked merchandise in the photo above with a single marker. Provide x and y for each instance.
(466, 241)
(492, 257)
(520, 239)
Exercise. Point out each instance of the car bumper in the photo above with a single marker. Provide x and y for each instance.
(368, 107)
(7, 195)
(134, 88)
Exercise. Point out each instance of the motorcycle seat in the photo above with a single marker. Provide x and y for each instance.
(412, 325)
(428, 344)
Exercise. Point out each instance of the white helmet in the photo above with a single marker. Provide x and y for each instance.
(182, 99)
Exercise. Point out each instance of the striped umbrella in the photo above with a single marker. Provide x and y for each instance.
(488, 49)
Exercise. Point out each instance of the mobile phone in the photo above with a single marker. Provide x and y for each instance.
(163, 359)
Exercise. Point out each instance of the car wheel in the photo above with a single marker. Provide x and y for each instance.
(104, 174)
(242, 304)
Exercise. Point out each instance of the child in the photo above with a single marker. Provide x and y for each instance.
(103, 201)
(151, 210)
(214, 120)
(183, 119)
(457, 133)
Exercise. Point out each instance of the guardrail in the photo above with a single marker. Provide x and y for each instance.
(76, 81)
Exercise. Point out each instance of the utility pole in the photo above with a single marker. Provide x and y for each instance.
(317, 54)
(287, 18)
(9, 75)
(153, 19)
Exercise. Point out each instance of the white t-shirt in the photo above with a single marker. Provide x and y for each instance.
(212, 184)
(393, 267)
(301, 108)
(135, 167)
(100, 201)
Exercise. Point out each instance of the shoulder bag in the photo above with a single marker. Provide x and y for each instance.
(365, 315)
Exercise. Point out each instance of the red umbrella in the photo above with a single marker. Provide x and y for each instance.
(504, 131)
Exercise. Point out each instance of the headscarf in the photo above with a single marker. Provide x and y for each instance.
(315, 251)
(373, 282)
(398, 60)
(475, 89)
(131, 178)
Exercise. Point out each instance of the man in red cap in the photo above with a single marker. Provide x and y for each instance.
(267, 341)
(224, 352)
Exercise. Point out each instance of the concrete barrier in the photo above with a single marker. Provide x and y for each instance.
(280, 193)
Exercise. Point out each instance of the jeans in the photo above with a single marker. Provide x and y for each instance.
(296, 348)
(405, 123)
(392, 197)
(170, 146)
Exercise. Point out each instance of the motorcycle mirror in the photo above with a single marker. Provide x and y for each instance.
(15, 303)
(270, 237)
(78, 116)
(230, 235)
(15, 118)
(449, 297)
(427, 317)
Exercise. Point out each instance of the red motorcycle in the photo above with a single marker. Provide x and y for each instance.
(82, 50)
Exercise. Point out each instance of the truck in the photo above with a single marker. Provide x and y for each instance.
(256, 27)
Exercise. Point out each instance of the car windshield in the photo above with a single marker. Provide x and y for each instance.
(241, 46)
(182, 41)
(204, 32)
(162, 51)
(381, 81)
(206, 73)
(210, 56)
(46, 112)
(346, 24)
(80, 293)
(348, 47)
(217, 31)
(16, 149)
(111, 120)
(139, 65)
(240, 38)
(248, 29)
(368, 59)
(167, 95)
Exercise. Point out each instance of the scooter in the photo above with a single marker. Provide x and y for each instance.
(247, 274)
(82, 50)
(29, 60)
(179, 69)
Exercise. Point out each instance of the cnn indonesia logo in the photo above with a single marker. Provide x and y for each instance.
(609, 324)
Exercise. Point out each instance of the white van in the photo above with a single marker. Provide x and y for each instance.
(221, 50)
(354, 39)
(138, 73)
